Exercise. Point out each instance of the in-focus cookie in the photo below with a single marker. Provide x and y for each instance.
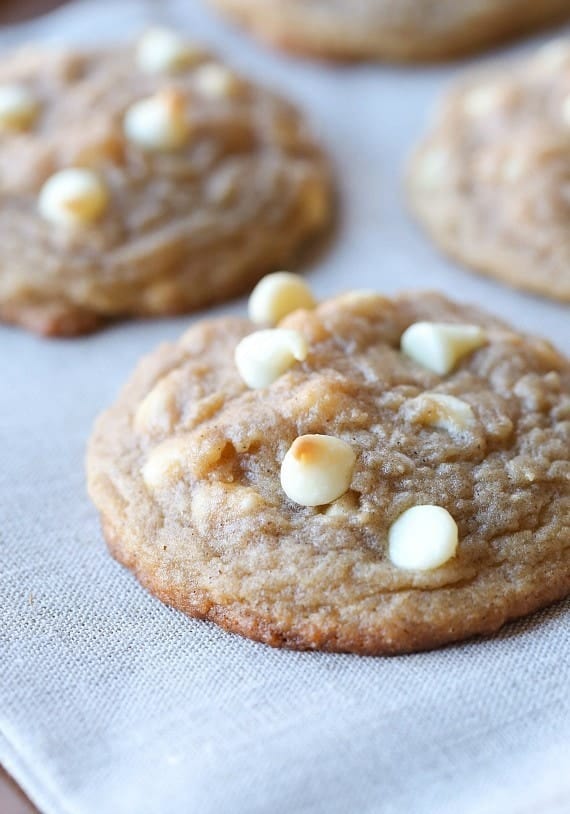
(490, 183)
(371, 475)
(392, 29)
(148, 179)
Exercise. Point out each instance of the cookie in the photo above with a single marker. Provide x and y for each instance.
(400, 30)
(372, 475)
(490, 181)
(144, 180)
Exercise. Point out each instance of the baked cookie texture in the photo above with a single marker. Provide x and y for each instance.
(188, 183)
(191, 470)
(490, 181)
(400, 30)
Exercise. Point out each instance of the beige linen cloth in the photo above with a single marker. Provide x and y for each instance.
(111, 703)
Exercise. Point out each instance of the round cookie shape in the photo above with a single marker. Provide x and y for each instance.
(489, 183)
(145, 179)
(360, 501)
(398, 30)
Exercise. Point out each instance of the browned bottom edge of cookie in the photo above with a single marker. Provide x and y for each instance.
(506, 272)
(66, 320)
(307, 637)
(52, 320)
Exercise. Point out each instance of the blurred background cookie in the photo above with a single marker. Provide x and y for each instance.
(491, 181)
(392, 29)
(143, 180)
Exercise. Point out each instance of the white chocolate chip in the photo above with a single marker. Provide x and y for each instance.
(164, 465)
(163, 51)
(73, 197)
(444, 412)
(263, 356)
(157, 411)
(277, 295)
(439, 346)
(317, 469)
(433, 168)
(158, 123)
(422, 538)
(485, 100)
(215, 81)
(18, 107)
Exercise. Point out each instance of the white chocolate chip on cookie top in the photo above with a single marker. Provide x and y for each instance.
(263, 356)
(317, 469)
(158, 123)
(277, 295)
(73, 197)
(441, 346)
(164, 465)
(434, 168)
(423, 538)
(161, 50)
(443, 411)
(487, 99)
(18, 107)
(215, 81)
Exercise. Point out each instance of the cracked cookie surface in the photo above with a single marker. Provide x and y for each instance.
(490, 181)
(397, 30)
(188, 471)
(194, 183)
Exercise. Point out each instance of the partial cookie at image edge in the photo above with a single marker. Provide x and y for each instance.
(328, 34)
(487, 182)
